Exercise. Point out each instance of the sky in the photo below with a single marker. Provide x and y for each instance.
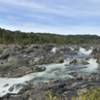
(54, 16)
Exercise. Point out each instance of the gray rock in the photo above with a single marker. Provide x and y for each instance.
(79, 61)
(82, 91)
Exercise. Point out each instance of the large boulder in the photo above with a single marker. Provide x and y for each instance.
(79, 61)
(47, 59)
(96, 54)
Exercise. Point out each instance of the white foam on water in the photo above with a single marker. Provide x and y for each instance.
(54, 49)
(49, 73)
(53, 71)
(83, 51)
(93, 65)
(7, 83)
(72, 48)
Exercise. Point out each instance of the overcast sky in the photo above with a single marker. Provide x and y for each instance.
(57, 16)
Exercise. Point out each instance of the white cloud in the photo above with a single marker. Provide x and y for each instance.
(66, 8)
(44, 10)
(57, 30)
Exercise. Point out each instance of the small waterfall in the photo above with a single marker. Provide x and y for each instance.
(93, 65)
(83, 51)
(54, 49)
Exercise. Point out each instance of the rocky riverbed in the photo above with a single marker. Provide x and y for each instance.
(27, 72)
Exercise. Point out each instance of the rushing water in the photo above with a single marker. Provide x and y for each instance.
(83, 51)
(53, 72)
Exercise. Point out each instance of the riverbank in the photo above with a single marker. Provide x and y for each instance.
(32, 70)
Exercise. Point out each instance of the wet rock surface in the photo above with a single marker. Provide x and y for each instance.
(22, 61)
(17, 61)
(61, 89)
(79, 61)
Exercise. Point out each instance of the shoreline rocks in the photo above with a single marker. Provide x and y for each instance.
(23, 60)
(17, 61)
(79, 61)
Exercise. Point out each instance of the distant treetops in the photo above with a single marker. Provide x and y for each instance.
(23, 38)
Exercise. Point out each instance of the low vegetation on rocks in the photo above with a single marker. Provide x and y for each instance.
(91, 94)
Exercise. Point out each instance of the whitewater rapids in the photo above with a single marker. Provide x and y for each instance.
(53, 72)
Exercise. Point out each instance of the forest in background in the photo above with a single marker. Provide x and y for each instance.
(25, 38)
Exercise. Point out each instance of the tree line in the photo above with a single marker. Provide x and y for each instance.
(18, 37)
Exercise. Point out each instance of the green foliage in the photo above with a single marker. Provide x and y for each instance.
(92, 94)
(17, 37)
(49, 96)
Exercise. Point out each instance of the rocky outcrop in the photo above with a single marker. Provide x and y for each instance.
(96, 54)
(60, 89)
(17, 61)
(79, 61)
